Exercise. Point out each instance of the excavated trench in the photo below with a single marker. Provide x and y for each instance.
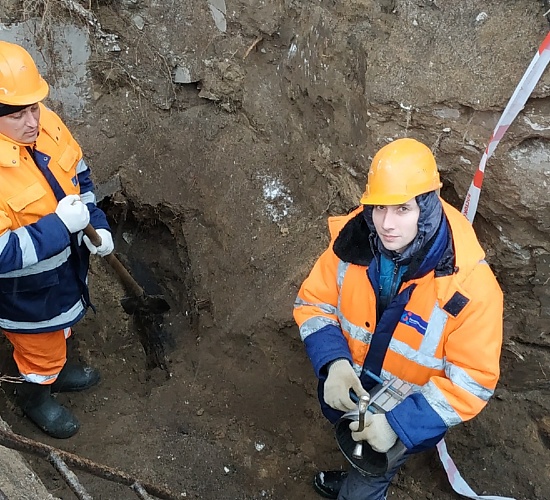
(218, 189)
(161, 414)
(191, 426)
(159, 262)
(151, 340)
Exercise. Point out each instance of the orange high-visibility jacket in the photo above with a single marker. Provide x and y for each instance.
(43, 268)
(447, 327)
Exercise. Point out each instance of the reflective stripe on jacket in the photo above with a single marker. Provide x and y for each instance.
(447, 330)
(43, 268)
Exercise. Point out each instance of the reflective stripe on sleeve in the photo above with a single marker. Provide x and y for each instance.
(314, 324)
(40, 267)
(81, 166)
(461, 378)
(355, 332)
(326, 308)
(88, 197)
(28, 252)
(440, 405)
(4, 239)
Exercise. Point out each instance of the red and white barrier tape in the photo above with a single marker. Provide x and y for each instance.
(455, 479)
(515, 105)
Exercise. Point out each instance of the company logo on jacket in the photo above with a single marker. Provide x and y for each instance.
(415, 321)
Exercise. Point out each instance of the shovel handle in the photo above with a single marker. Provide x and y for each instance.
(131, 285)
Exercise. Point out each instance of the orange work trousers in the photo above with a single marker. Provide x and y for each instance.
(39, 356)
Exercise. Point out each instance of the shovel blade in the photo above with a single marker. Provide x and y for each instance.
(145, 304)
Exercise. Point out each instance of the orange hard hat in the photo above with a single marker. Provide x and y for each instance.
(20, 81)
(400, 171)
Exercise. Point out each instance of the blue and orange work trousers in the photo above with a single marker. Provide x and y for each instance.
(39, 356)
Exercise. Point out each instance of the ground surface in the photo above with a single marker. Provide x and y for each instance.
(222, 189)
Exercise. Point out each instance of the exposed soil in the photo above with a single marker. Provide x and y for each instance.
(225, 186)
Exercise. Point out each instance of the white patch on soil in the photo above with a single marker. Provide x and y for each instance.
(292, 50)
(447, 113)
(259, 446)
(534, 125)
(277, 197)
(516, 249)
(534, 156)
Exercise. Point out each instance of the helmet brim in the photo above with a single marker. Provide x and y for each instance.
(27, 99)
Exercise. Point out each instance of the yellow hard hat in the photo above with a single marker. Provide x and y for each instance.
(400, 171)
(20, 81)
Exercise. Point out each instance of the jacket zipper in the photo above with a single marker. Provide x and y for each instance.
(394, 282)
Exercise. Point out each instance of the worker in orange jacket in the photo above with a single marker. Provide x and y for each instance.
(46, 200)
(403, 290)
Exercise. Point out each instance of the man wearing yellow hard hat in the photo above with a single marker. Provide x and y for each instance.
(402, 294)
(46, 200)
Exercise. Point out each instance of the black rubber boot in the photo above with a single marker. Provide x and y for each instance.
(37, 403)
(75, 378)
(328, 482)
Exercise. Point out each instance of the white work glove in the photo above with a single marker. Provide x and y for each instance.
(341, 378)
(377, 432)
(73, 213)
(106, 247)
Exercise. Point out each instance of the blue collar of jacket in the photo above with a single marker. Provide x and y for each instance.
(353, 245)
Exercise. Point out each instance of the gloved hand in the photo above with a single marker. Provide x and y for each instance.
(377, 432)
(106, 247)
(73, 213)
(341, 378)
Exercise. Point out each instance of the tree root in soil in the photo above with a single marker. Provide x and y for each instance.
(60, 459)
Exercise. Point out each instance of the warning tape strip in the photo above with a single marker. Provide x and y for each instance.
(515, 105)
(457, 481)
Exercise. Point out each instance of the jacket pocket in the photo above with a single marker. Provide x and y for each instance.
(22, 200)
(31, 283)
(68, 158)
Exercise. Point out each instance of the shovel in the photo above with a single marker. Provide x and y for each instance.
(146, 309)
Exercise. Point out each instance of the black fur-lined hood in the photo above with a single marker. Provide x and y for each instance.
(353, 243)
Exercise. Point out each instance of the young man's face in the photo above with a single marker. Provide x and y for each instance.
(21, 126)
(396, 225)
